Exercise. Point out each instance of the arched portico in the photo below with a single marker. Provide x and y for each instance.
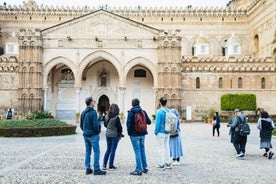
(97, 56)
(140, 81)
(54, 62)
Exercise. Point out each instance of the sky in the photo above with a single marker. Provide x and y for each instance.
(124, 3)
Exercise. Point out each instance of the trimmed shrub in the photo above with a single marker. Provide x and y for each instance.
(230, 102)
(35, 128)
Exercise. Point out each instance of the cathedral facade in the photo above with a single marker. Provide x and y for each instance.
(52, 58)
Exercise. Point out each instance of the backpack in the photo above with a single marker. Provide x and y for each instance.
(140, 122)
(244, 128)
(170, 121)
(9, 115)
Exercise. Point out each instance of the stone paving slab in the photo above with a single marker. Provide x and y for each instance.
(206, 160)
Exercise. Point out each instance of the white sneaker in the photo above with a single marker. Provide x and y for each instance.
(241, 154)
(168, 166)
(176, 163)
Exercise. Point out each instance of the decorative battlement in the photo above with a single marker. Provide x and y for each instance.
(8, 59)
(9, 64)
(224, 59)
(32, 8)
(221, 64)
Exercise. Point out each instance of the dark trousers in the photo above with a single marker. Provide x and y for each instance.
(214, 128)
(240, 143)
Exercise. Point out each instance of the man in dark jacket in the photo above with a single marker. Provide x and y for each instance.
(91, 128)
(239, 142)
(137, 138)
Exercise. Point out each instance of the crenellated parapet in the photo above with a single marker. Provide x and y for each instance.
(9, 64)
(222, 64)
(31, 8)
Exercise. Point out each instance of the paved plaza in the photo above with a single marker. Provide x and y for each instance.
(60, 160)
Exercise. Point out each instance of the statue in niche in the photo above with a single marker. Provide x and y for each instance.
(102, 78)
(103, 81)
(67, 75)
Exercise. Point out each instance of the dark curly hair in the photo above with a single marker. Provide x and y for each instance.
(113, 110)
(264, 114)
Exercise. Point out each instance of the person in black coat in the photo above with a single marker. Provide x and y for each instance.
(266, 125)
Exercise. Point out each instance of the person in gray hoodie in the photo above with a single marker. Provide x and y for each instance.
(91, 128)
(239, 142)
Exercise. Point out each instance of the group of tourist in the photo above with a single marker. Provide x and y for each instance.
(265, 125)
(168, 146)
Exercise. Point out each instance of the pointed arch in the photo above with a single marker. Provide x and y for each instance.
(143, 62)
(55, 61)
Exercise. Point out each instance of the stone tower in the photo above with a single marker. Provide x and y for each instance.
(30, 73)
(169, 74)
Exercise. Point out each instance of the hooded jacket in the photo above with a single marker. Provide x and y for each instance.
(131, 121)
(89, 123)
(160, 121)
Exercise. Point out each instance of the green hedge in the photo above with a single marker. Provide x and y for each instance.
(35, 128)
(31, 123)
(238, 101)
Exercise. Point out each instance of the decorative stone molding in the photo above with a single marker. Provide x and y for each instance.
(223, 65)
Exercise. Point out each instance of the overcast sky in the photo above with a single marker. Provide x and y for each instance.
(123, 3)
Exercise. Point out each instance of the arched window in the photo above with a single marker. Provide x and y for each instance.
(256, 43)
(240, 83)
(263, 83)
(224, 43)
(140, 73)
(220, 82)
(197, 83)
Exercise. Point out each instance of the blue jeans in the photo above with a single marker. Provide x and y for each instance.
(138, 144)
(92, 143)
(112, 143)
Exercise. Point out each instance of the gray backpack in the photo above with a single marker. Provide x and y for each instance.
(170, 122)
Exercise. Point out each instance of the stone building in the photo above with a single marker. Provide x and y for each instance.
(52, 58)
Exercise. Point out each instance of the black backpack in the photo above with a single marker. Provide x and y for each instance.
(244, 128)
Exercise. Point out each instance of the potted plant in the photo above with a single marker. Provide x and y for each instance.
(122, 117)
(183, 119)
(77, 117)
(211, 113)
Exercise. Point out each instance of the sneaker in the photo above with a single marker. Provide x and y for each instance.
(104, 167)
(161, 167)
(265, 154)
(270, 155)
(136, 173)
(176, 163)
(99, 172)
(241, 154)
(112, 168)
(145, 171)
(88, 171)
(168, 166)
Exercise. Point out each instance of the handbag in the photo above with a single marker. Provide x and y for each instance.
(214, 122)
(174, 134)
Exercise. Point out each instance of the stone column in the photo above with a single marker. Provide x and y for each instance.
(78, 90)
(122, 102)
(155, 90)
(45, 105)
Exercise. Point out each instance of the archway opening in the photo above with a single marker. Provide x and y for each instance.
(103, 104)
